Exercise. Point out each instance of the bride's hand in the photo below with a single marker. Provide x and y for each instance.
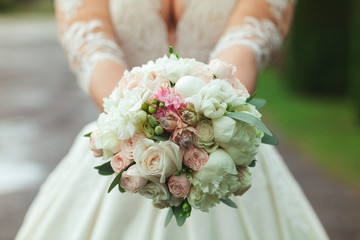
(105, 77)
(243, 58)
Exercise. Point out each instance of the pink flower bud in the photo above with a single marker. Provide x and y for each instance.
(97, 152)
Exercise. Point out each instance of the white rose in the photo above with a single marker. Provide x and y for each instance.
(188, 86)
(213, 108)
(210, 179)
(206, 138)
(157, 160)
(131, 180)
(239, 139)
(155, 191)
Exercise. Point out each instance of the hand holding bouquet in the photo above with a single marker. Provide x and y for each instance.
(182, 133)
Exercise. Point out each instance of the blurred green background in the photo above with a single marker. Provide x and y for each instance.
(312, 86)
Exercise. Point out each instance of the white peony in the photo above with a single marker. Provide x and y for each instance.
(155, 191)
(239, 139)
(218, 176)
(213, 98)
(130, 115)
(188, 86)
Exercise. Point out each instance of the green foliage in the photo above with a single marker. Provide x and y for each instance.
(325, 130)
(229, 202)
(319, 48)
(105, 169)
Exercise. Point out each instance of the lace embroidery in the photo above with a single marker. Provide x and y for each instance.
(278, 7)
(85, 47)
(69, 7)
(262, 36)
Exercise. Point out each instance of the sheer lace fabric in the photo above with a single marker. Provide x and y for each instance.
(261, 36)
(138, 33)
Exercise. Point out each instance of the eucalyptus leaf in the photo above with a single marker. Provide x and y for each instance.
(105, 169)
(253, 163)
(121, 189)
(115, 182)
(88, 134)
(229, 202)
(163, 137)
(272, 140)
(169, 216)
(257, 102)
(251, 97)
(248, 118)
(177, 211)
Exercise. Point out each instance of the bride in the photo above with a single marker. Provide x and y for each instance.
(102, 39)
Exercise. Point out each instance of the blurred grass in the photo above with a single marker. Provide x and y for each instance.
(15, 8)
(324, 129)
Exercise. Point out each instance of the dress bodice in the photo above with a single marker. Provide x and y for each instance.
(140, 28)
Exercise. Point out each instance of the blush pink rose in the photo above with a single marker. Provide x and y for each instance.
(153, 80)
(179, 186)
(239, 88)
(221, 69)
(195, 158)
(130, 80)
(131, 181)
(97, 152)
(119, 162)
(128, 146)
(185, 137)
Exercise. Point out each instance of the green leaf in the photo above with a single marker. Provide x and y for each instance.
(251, 97)
(169, 216)
(229, 202)
(88, 134)
(115, 182)
(248, 118)
(179, 220)
(121, 189)
(105, 169)
(257, 102)
(163, 137)
(253, 163)
(272, 140)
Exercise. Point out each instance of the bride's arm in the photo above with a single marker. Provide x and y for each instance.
(255, 29)
(87, 35)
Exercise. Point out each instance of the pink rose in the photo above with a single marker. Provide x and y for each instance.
(131, 180)
(119, 162)
(179, 186)
(97, 152)
(128, 146)
(221, 69)
(130, 80)
(195, 158)
(152, 81)
(239, 88)
(244, 177)
(185, 137)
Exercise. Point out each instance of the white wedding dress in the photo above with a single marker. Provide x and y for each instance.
(73, 203)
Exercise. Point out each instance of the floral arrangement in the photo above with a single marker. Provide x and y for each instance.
(182, 133)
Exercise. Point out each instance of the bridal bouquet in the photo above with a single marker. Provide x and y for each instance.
(182, 133)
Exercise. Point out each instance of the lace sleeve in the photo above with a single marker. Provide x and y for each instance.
(260, 25)
(86, 34)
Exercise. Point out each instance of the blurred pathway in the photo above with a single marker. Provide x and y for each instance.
(42, 109)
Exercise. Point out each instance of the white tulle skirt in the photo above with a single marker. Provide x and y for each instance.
(73, 203)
